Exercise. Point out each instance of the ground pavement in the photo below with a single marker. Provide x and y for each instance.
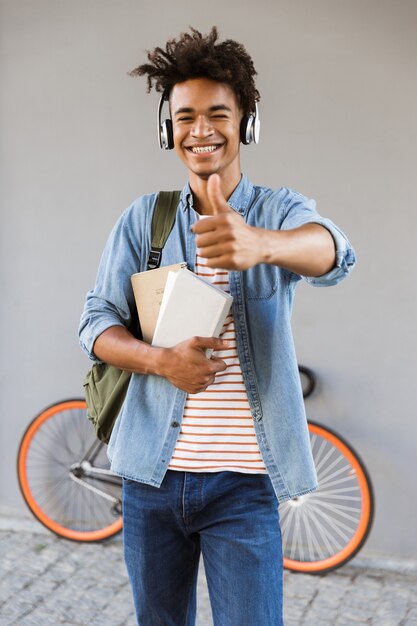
(47, 581)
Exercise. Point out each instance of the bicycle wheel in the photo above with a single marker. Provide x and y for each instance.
(323, 530)
(64, 475)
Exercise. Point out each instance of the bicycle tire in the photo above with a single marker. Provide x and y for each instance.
(323, 530)
(308, 380)
(47, 452)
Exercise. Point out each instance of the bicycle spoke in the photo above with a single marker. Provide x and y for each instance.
(337, 493)
(333, 475)
(337, 526)
(339, 509)
(330, 542)
(317, 456)
(39, 448)
(311, 539)
(340, 481)
(323, 460)
(44, 499)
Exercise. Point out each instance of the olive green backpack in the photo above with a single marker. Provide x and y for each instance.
(106, 386)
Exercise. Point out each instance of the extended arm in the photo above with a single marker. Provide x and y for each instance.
(232, 244)
(228, 242)
(308, 250)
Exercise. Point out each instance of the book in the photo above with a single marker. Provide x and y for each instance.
(191, 306)
(148, 289)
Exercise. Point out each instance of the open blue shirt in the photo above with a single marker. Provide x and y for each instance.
(146, 430)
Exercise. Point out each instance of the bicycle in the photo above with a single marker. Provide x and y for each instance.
(65, 480)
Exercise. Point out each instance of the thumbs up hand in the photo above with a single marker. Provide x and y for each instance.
(224, 238)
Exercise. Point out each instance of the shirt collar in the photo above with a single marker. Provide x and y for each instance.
(239, 200)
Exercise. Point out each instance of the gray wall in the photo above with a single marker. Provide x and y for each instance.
(78, 144)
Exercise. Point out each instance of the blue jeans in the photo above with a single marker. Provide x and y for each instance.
(232, 519)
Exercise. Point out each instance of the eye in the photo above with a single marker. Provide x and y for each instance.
(220, 116)
(184, 119)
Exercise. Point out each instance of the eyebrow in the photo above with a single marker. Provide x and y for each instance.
(216, 107)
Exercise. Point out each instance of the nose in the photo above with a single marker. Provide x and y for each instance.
(201, 127)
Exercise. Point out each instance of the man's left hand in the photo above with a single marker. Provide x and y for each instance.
(224, 238)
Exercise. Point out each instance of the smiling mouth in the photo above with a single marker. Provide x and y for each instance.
(204, 149)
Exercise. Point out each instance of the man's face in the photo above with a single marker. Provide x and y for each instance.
(206, 122)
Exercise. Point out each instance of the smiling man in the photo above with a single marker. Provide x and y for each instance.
(208, 447)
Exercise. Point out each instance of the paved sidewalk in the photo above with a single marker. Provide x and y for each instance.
(47, 581)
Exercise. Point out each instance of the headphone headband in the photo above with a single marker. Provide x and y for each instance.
(256, 125)
(160, 105)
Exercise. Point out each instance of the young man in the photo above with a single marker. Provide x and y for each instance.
(207, 447)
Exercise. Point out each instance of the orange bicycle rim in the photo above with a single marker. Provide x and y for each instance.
(68, 533)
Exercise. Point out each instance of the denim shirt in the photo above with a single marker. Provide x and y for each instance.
(146, 430)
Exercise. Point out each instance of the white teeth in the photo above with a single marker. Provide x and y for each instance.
(204, 148)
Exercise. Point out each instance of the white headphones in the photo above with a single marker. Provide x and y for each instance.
(250, 127)
(165, 134)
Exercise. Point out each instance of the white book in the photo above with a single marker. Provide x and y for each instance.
(191, 306)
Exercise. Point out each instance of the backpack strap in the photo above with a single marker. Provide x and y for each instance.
(162, 223)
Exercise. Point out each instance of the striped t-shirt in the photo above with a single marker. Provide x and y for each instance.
(217, 432)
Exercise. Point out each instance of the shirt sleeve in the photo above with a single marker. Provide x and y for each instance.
(300, 210)
(111, 301)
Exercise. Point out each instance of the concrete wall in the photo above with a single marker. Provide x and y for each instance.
(78, 144)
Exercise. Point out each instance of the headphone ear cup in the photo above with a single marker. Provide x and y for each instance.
(246, 129)
(250, 127)
(167, 135)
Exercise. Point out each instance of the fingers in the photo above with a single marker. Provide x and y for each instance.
(218, 365)
(214, 239)
(197, 371)
(214, 366)
(207, 343)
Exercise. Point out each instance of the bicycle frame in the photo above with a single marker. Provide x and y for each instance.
(85, 468)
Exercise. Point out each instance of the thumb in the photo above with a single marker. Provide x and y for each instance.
(216, 197)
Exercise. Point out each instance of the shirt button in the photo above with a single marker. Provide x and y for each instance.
(175, 424)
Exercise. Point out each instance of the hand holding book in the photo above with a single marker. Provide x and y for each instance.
(186, 365)
(182, 316)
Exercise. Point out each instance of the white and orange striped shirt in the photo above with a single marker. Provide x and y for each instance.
(217, 432)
